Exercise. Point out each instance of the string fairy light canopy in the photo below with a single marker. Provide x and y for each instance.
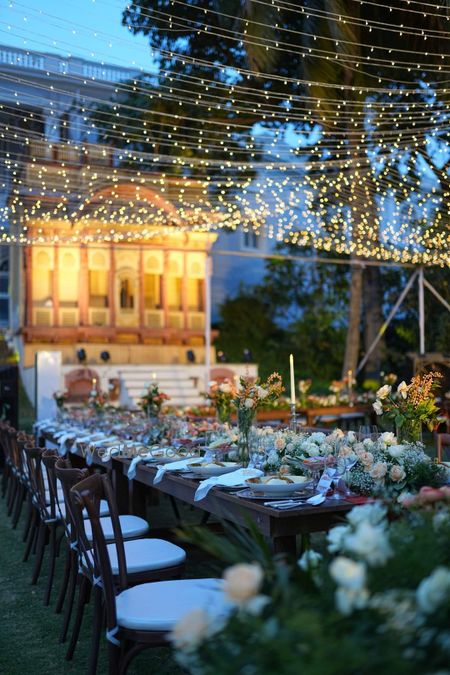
(357, 167)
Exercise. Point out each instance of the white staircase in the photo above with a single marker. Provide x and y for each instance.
(183, 383)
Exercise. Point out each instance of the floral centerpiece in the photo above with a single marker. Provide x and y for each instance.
(376, 600)
(412, 406)
(60, 397)
(221, 395)
(378, 466)
(152, 400)
(386, 466)
(250, 396)
(97, 400)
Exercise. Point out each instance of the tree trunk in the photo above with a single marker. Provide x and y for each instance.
(354, 321)
(373, 319)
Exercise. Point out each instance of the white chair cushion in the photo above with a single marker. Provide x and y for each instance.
(143, 555)
(159, 605)
(131, 526)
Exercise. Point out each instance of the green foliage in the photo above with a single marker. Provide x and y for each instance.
(300, 629)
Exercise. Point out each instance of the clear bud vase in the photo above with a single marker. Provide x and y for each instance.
(246, 418)
(410, 431)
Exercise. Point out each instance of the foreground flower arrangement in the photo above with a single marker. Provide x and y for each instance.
(376, 600)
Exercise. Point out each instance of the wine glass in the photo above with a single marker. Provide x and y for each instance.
(364, 432)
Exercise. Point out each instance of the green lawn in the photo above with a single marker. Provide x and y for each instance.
(29, 631)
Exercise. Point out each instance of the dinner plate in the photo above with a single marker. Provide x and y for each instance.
(280, 489)
(209, 469)
(247, 493)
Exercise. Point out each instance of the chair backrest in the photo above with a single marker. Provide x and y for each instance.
(87, 495)
(442, 442)
(49, 459)
(68, 477)
(33, 458)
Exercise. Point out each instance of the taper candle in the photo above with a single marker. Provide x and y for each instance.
(291, 364)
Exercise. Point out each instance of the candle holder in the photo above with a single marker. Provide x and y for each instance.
(293, 418)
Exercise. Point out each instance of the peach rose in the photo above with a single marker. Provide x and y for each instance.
(397, 473)
(366, 459)
(378, 471)
(242, 582)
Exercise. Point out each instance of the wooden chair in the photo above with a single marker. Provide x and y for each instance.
(143, 615)
(442, 444)
(145, 559)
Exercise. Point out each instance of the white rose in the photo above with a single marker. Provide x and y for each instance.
(378, 407)
(336, 537)
(318, 437)
(225, 388)
(351, 437)
(310, 560)
(371, 513)
(262, 393)
(402, 389)
(249, 403)
(190, 630)
(434, 591)
(397, 473)
(337, 434)
(370, 542)
(348, 599)
(388, 438)
(368, 443)
(242, 582)
(396, 451)
(348, 573)
(384, 391)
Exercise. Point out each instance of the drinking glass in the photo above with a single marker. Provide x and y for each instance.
(364, 432)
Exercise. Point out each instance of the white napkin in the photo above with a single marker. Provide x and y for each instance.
(173, 466)
(234, 479)
(68, 436)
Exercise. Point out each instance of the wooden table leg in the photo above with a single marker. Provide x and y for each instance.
(121, 488)
(286, 545)
(137, 498)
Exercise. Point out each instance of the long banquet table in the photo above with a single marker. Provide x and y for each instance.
(280, 527)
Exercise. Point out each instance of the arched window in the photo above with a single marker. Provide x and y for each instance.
(126, 293)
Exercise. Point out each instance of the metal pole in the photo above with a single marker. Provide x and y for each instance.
(388, 320)
(208, 270)
(436, 294)
(421, 314)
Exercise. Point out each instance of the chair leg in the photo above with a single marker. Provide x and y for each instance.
(40, 547)
(5, 479)
(64, 582)
(18, 505)
(31, 535)
(113, 659)
(70, 596)
(82, 599)
(51, 564)
(97, 624)
(28, 520)
(12, 496)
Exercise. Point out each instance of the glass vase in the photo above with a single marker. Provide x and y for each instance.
(410, 432)
(245, 420)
